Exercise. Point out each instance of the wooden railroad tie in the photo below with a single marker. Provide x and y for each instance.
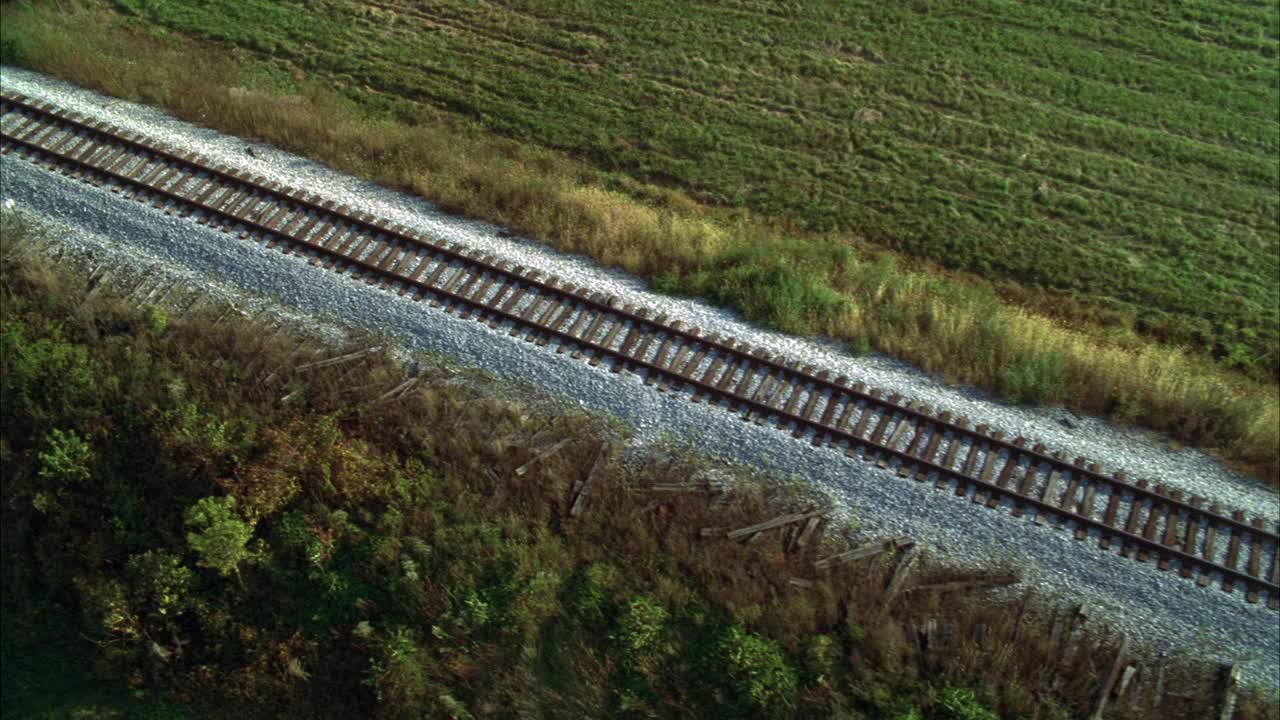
(582, 490)
(984, 583)
(1103, 694)
(900, 575)
(1228, 688)
(864, 551)
(802, 538)
(779, 521)
(349, 357)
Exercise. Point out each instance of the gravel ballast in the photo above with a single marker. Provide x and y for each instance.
(1157, 607)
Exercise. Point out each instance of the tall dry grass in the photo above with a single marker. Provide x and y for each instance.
(801, 284)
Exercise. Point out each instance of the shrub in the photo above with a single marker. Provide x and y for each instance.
(860, 346)
(963, 704)
(160, 582)
(587, 592)
(66, 462)
(218, 535)
(758, 669)
(474, 611)
(639, 633)
(534, 603)
(63, 466)
(155, 319)
(104, 602)
(11, 50)
(820, 655)
(203, 436)
(893, 703)
(42, 378)
(772, 288)
(398, 674)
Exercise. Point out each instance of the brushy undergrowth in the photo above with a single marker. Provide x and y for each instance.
(188, 509)
(799, 282)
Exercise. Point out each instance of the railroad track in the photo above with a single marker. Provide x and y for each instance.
(1147, 522)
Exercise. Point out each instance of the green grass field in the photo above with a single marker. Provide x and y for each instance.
(1123, 156)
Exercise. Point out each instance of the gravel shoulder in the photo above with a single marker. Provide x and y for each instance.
(1157, 607)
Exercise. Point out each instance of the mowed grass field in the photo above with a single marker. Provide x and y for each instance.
(1058, 204)
(1123, 156)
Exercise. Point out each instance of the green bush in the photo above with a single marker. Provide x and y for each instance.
(587, 592)
(860, 346)
(963, 704)
(786, 284)
(160, 583)
(64, 464)
(820, 656)
(66, 461)
(155, 319)
(218, 535)
(758, 670)
(398, 674)
(640, 634)
(771, 287)
(893, 703)
(199, 432)
(104, 604)
(43, 377)
(474, 611)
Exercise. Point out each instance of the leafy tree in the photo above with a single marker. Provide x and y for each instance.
(218, 535)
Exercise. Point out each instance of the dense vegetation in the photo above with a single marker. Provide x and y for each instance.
(218, 536)
(1066, 208)
(346, 558)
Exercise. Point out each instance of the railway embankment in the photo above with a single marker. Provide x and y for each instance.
(1056, 562)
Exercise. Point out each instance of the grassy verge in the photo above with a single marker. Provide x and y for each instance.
(253, 83)
(187, 530)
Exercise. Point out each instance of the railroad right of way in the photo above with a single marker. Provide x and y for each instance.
(717, 415)
(1192, 535)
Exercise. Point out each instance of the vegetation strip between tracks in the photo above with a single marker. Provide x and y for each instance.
(734, 372)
